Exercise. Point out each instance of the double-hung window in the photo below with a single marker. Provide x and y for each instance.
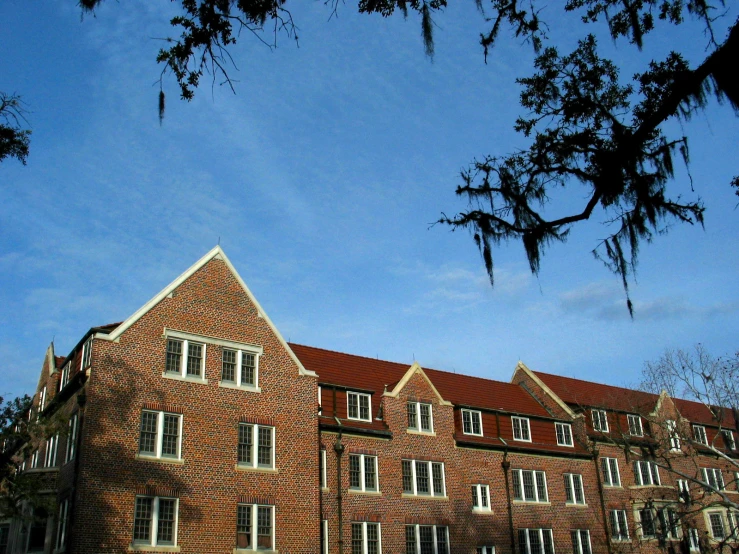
(324, 476)
(673, 435)
(699, 434)
(683, 490)
(481, 498)
(255, 527)
(471, 422)
(609, 468)
(713, 478)
(635, 426)
(64, 379)
(716, 521)
(420, 418)
(421, 478)
(239, 367)
(669, 523)
(580, 541)
(155, 521)
(729, 441)
(521, 431)
(564, 434)
(574, 492)
(185, 358)
(61, 525)
(646, 473)
(535, 541)
(359, 406)
(41, 401)
(619, 525)
(600, 421)
(426, 539)
(87, 353)
(256, 446)
(694, 540)
(161, 435)
(366, 538)
(363, 473)
(529, 485)
(52, 446)
(71, 438)
(647, 525)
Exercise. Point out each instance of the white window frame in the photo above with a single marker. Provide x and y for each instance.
(608, 465)
(358, 396)
(683, 490)
(64, 379)
(255, 527)
(521, 424)
(417, 425)
(160, 436)
(538, 477)
(364, 525)
(578, 543)
(362, 475)
(154, 525)
(52, 445)
(619, 529)
(86, 354)
(254, 464)
(61, 525)
(699, 434)
(184, 355)
(566, 433)
(600, 420)
(238, 370)
(324, 476)
(435, 531)
(652, 471)
(670, 524)
(414, 478)
(41, 401)
(640, 526)
(571, 480)
(481, 498)
(693, 539)
(34, 459)
(731, 442)
(71, 438)
(636, 429)
(472, 415)
(526, 548)
(672, 434)
(713, 477)
(709, 524)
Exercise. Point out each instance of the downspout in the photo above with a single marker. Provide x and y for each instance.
(321, 469)
(604, 515)
(506, 465)
(339, 449)
(81, 402)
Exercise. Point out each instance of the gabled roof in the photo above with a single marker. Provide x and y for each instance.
(699, 413)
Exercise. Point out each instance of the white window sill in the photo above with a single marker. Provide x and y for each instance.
(482, 511)
(423, 496)
(575, 505)
(523, 440)
(148, 548)
(636, 487)
(612, 486)
(148, 458)
(417, 432)
(358, 419)
(325, 489)
(247, 550)
(367, 493)
(532, 503)
(234, 386)
(472, 434)
(244, 467)
(177, 377)
(566, 445)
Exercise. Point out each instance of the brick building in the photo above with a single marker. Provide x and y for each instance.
(194, 427)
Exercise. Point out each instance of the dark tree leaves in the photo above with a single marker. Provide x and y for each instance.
(14, 140)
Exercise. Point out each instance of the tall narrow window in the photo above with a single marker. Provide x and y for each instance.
(699, 434)
(174, 356)
(256, 446)
(185, 358)
(51, 449)
(255, 528)
(481, 498)
(574, 491)
(71, 438)
(718, 532)
(87, 353)
(609, 468)
(635, 426)
(600, 421)
(419, 417)
(646, 523)
(619, 526)
(363, 472)
(365, 538)
(581, 541)
(61, 525)
(728, 437)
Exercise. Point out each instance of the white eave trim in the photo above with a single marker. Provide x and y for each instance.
(415, 368)
(522, 366)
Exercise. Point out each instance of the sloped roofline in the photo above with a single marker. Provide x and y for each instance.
(216, 253)
(415, 368)
(523, 367)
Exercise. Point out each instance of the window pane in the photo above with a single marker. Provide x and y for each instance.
(194, 359)
(228, 372)
(441, 542)
(410, 539)
(245, 443)
(165, 528)
(407, 477)
(353, 406)
(354, 472)
(426, 533)
(264, 527)
(373, 538)
(412, 424)
(147, 440)
(422, 478)
(357, 538)
(517, 492)
(425, 417)
(243, 526)
(248, 369)
(174, 356)
(370, 476)
(170, 435)
(528, 486)
(364, 407)
(265, 447)
(142, 520)
(437, 474)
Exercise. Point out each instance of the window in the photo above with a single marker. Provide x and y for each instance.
(646, 523)
(155, 521)
(426, 539)
(485, 550)
(185, 358)
(733, 518)
(363, 473)
(683, 490)
(61, 525)
(419, 417)
(64, 379)
(619, 526)
(161, 435)
(529, 486)
(41, 400)
(521, 430)
(324, 479)
(712, 477)
(37, 531)
(635, 426)
(699, 434)
(580, 541)
(672, 433)
(694, 540)
(51, 447)
(564, 434)
(423, 478)
(535, 541)
(669, 523)
(646, 473)
(34, 459)
(471, 422)
(716, 521)
(4, 536)
(481, 498)
(728, 439)
(365, 538)
(71, 438)
(574, 491)
(239, 367)
(251, 518)
(611, 476)
(358, 406)
(600, 421)
(87, 353)
(256, 446)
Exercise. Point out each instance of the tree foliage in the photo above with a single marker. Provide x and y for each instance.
(14, 140)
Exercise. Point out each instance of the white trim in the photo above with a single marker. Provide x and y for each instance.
(415, 368)
(472, 423)
(601, 413)
(418, 429)
(637, 419)
(159, 438)
(570, 480)
(154, 522)
(480, 501)
(362, 473)
(359, 407)
(522, 366)
(365, 539)
(567, 426)
(523, 437)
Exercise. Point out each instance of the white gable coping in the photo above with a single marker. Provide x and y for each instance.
(522, 366)
(415, 368)
(215, 254)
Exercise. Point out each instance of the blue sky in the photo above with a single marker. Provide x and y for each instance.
(321, 177)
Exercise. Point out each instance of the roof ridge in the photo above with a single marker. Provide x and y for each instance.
(595, 383)
(348, 354)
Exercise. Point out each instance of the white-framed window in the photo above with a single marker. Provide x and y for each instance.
(41, 400)
(521, 430)
(736, 480)
(600, 421)
(529, 485)
(61, 525)
(694, 540)
(564, 434)
(699, 434)
(733, 517)
(485, 550)
(324, 478)
(729, 441)
(647, 527)
(185, 358)
(155, 521)
(366, 538)
(255, 527)
(240, 367)
(635, 427)
(669, 523)
(64, 379)
(256, 446)
(683, 490)
(421, 478)
(71, 438)
(713, 477)
(574, 491)
(161, 434)
(324, 536)
(34, 459)
(359, 406)
(426, 539)
(580, 541)
(535, 541)
(716, 525)
(363, 473)
(420, 417)
(52, 446)
(619, 525)
(481, 498)
(86, 353)
(609, 468)
(671, 427)
(471, 422)
(646, 473)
